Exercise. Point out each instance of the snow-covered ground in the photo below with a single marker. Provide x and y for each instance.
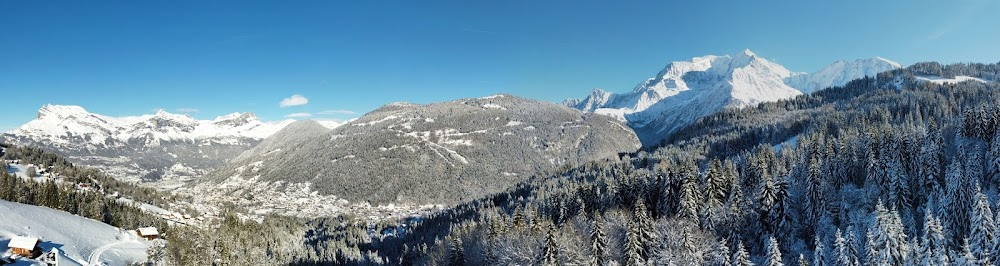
(957, 79)
(790, 142)
(83, 241)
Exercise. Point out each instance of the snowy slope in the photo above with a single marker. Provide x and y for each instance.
(82, 240)
(839, 73)
(687, 90)
(955, 80)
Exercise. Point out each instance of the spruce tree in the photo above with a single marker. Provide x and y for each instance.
(773, 253)
(982, 232)
(993, 163)
(819, 255)
(634, 246)
(690, 195)
(457, 254)
(933, 248)
(741, 257)
(957, 202)
(844, 256)
(598, 244)
(889, 237)
(647, 234)
(550, 252)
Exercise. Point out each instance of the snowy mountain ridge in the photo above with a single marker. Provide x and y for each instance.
(839, 73)
(687, 90)
(164, 148)
(57, 122)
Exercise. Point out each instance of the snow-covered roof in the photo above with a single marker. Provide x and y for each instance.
(148, 231)
(23, 242)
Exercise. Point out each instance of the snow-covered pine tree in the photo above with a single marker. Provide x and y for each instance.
(993, 165)
(966, 258)
(598, 242)
(457, 255)
(889, 237)
(930, 160)
(819, 254)
(816, 204)
(982, 229)
(974, 166)
(741, 257)
(852, 245)
(843, 253)
(647, 235)
(550, 252)
(933, 248)
(722, 254)
(773, 257)
(690, 196)
(770, 197)
(633, 246)
(955, 206)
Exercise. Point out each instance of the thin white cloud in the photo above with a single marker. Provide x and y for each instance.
(337, 112)
(475, 30)
(295, 100)
(187, 110)
(970, 10)
(298, 115)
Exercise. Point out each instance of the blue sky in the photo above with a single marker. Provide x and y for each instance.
(210, 58)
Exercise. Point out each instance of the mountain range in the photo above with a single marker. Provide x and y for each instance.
(162, 147)
(687, 90)
(397, 153)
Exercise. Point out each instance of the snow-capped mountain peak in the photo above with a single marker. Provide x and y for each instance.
(121, 141)
(686, 90)
(839, 73)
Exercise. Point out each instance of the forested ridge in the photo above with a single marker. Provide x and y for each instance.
(100, 203)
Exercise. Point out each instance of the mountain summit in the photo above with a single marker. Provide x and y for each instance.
(687, 90)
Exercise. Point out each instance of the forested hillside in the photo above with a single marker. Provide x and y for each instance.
(884, 171)
(99, 201)
(893, 170)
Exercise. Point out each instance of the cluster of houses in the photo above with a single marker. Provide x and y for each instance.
(27, 247)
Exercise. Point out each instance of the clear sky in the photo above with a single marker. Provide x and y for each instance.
(209, 58)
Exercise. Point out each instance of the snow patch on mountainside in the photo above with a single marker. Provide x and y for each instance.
(956, 79)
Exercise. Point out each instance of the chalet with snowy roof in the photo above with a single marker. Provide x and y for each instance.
(149, 233)
(25, 246)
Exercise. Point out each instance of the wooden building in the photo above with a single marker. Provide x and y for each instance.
(25, 246)
(149, 233)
